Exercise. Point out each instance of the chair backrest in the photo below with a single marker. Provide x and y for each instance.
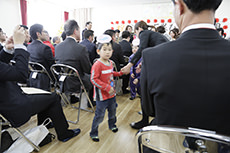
(175, 139)
(38, 68)
(62, 71)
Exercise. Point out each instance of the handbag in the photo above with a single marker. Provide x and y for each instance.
(36, 135)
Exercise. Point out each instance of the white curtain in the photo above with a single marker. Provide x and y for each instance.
(81, 15)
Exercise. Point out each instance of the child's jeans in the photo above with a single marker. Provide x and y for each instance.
(101, 106)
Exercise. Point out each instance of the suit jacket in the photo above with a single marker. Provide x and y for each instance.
(117, 56)
(13, 102)
(187, 82)
(91, 47)
(42, 54)
(71, 53)
(147, 39)
(126, 48)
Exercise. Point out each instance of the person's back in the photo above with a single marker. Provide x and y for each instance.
(193, 90)
(91, 47)
(42, 54)
(71, 53)
(188, 79)
(65, 53)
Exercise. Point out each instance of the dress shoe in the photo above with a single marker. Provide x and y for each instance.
(75, 133)
(138, 125)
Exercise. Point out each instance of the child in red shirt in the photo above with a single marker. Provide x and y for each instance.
(104, 90)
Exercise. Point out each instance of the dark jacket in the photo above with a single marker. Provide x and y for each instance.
(42, 54)
(147, 39)
(126, 48)
(71, 53)
(91, 47)
(13, 102)
(117, 56)
(187, 82)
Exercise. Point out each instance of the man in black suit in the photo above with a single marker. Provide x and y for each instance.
(88, 26)
(127, 51)
(40, 53)
(71, 53)
(88, 43)
(18, 107)
(187, 82)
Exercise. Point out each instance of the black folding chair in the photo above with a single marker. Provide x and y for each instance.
(5, 123)
(167, 139)
(61, 72)
(37, 68)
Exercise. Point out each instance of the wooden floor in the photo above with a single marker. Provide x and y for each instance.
(121, 142)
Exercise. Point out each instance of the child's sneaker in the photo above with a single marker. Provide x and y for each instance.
(95, 138)
(115, 129)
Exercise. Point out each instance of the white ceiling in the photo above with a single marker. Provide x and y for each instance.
(102, 3)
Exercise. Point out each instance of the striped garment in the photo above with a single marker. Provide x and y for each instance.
(102, 79)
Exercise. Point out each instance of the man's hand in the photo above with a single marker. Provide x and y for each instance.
(19, 35)
(126, 69)
(9, 43)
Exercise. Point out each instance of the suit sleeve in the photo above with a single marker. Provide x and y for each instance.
(5, 57)
(120, 54)
(49, 55)
(147, 99)
(85, 62)
(17, 72)
(144, 40)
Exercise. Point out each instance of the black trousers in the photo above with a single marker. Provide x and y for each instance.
(47, 105)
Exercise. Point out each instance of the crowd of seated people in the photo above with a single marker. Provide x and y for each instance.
(183, 82)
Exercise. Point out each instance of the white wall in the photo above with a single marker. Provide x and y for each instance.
(224, 12)
(10, 15)
(51, 16)
(102, 17)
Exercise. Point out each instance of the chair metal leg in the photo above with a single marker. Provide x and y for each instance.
(79, 109)
(30, 142)
(1, 132)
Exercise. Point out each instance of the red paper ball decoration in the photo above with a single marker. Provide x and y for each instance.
(225, 27)
(155, 21)
(112, 28)
(117, 22)
(169, 20)
(112, 23)
(217, 19)
(148, 21)
(225, 19)
(162, 21)
(135, 21)
(123, 22)
(129, 21)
